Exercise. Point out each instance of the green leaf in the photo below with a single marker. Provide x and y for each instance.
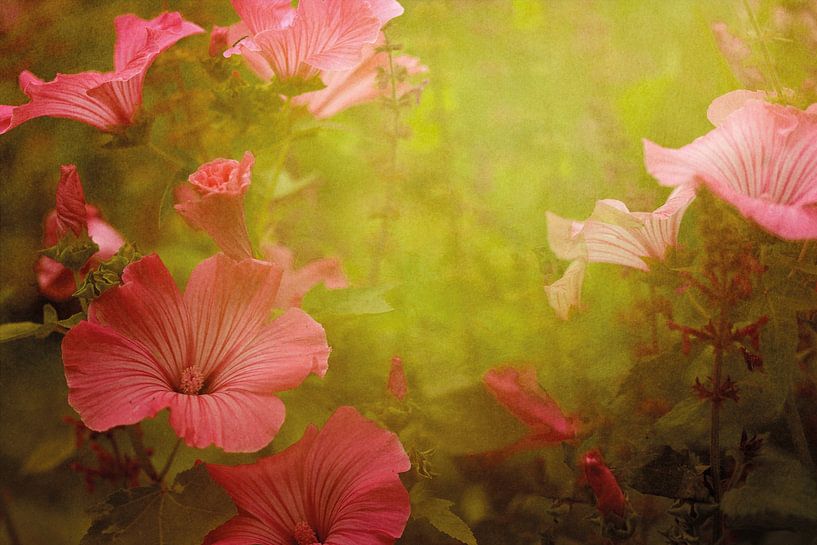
(108, 273)
(181, 515)
(438, 512)
(51, 452)
(322, 302)
(18, 330)
(778, 493)
(72, 251)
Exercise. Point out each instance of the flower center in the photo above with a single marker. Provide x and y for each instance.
(304, 534)
(192, 381)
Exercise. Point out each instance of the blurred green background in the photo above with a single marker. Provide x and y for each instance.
(529, 106)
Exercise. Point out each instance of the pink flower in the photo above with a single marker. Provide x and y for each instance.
(72, 215)
(337, 486)
(106, 100)
(519, 392)
(615, 235)
(214, 202)
(398, 385)
(347, 88)
(609, 497)
(211, 356)
(318, 35)
(297, 283)
(761, 158)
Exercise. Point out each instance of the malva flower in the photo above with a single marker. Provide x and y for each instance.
(614, 235)
(519, 392)
(347, 88)
(397, 385)
(610, 499)
(761, 158)
(72, 215)
(211, 355)
(318, 35)
(108, 101)
(213, 201)
(296, 283)
(336, 486)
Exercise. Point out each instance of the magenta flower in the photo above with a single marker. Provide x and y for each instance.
(213, 201)
(358, 85)
(336, 486)
(211, 355)
(615, 235)
(72, 215)
(761, 158)
(296, 283)
(519, 392)
(106, 100)
(317, 35)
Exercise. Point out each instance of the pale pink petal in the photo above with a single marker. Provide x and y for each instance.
(134, 35)
(71, 214)
(148, 308)
(235, 421)
(55, 281)
(563, 237)
(106, 237)
(566, 293)
(724, 105)
(519, 392)
(220, 215)
(279, 358)
(261, 15)
(242, 530)
(112, 380)
(762, 159)
(296, 284)
(352, 480)
(385, 10)
(325, 35)
(228, 301)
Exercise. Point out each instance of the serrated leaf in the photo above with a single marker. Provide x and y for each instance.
(18, 330)
(51, 452)
(438, 513)
(778, 493)
(181, 515)
(321, 302)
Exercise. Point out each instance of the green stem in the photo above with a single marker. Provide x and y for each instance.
(78, 282)
(767, 56)
(170, 458)
(135, 435)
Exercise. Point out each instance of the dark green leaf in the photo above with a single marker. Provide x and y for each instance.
(438, 512)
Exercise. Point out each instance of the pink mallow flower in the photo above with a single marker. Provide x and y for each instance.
(614, 235)
(106, 100)
(72, 215)
(296, 283)
(213, 201)
(211, 355)
(761, 158)
(318, 35)
(358, 85)
(336, 486)
(519, 392)
(609, 497)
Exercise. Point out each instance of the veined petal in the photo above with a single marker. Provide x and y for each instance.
(282, 355)
(148, 308)
(243, 530)
(762, 159)
(235, 421)
(220, 215)
(135, 35)
(325, 35)
(724, 105)
(228, 301)
(261, 15)
(563, 237)
(566, 293)
(71, 214)
(353, 487)
(385, 10)
(296, 283)
(112, 380)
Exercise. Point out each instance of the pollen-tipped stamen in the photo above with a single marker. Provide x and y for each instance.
(192, 381)
(304, 534)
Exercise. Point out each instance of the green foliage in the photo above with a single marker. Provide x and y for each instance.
(51, 323)
(438, 513)
(153, 515)
(324, 303)
(108, 273)
(72, 251)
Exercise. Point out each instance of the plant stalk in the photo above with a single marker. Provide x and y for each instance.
(135, 435)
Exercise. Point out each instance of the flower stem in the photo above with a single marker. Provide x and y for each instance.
(798, 436)
(767, 56)
(135, 435)
(714, 443)
(170, 458)
(78, 282)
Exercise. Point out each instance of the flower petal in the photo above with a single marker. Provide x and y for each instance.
(282, 355)
(235, 421)
(566, 293)
(220, 215)
(112, 380)
(261, 15)
(242, 530)
(228, 301)
(135, 35)
(295, 284)
(71, 214)
(147, 307)
(385, 10)
(563, 237)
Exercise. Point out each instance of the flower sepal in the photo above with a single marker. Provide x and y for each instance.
(132, 135)
(72, 251)
(108, 273)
